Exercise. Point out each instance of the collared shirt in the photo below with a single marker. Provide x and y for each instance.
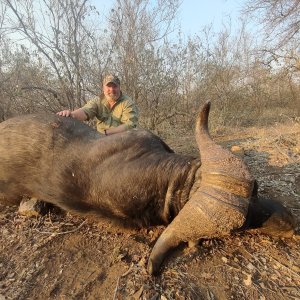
(124, 111)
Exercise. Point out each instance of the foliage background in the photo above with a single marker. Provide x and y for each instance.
(53, 55)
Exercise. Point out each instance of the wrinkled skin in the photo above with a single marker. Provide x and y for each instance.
(136, 178)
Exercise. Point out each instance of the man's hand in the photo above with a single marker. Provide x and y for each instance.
(78, 114)
(65, 113)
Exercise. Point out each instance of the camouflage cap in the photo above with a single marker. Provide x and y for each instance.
(111, 79)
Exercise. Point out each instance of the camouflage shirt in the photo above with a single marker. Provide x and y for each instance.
(123, 112)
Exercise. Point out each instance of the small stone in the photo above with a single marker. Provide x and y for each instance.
(224, 259)
(33, 207)
(193, 244)
(296, 150)
(238, 150)
(248, 280)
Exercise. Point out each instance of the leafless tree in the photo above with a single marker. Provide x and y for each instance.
(281, 27)
(280, 18)
(140, 34)
(58, 35)
(54, 53)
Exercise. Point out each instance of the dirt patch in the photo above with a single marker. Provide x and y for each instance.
(60, 256)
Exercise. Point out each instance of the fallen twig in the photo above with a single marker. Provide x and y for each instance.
(127, 272)
(116, 289)
(285, 267)
(64, 232)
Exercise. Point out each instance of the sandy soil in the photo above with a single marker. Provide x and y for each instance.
(60, 256)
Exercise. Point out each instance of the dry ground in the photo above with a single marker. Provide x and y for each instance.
(61, 256)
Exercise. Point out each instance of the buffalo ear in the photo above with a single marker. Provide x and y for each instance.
(270, 217)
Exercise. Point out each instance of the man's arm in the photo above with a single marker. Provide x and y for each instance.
(129, 119)
(78, 114)
(130, 115)
(113, 130)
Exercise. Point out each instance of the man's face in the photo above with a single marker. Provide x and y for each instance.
(112, 91)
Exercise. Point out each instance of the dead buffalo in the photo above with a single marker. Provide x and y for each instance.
(134, 176)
